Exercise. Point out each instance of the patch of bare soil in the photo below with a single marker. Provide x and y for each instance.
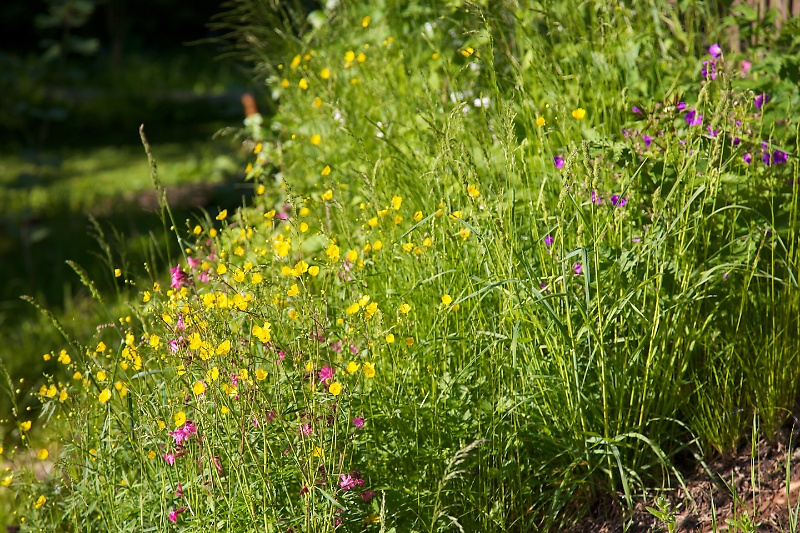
(746, 492)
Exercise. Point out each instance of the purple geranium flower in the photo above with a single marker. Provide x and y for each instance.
(578, 268)
(618, 201)
(760, 100)
(710, 69)
(715, 50)
(681, 106)
(358, 422)
(711, 132)
(596, 198)
(558, 161)
(693, 118)
(548, 241)
(647, 140)
(637, 110)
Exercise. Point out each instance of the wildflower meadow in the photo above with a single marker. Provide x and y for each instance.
(503, 262)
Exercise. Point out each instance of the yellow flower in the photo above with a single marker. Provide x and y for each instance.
(317, 102)
(294, 290)
(294, 315)
(377, 245)
(62, 396)
(303, 84)
(295, 61)
(349, 56)
(372, 309)
(154, 341)
(260, 189)
(373, 222)
(318, 452)
(40, 502)
(151, 454)
(398, 219)
(104, 396)
(282, 248)
(417, 216)
(146, 296)
(198, 388)
(361, 57)
(390, 338)
(352, 255)
(64, 358)
(579, 113)
(464, 233)
(117, 272)
(264, 334)
(211, 233)
(325, 73)
(101, 375)
(369, 370)
(180, 419)
(6, 481)
(256, 278)
(261, 374)
(326, 170)
(397, 201)
(352, 367)
(407, 247)
(365, 21)
(409, 341)
(335, 388)
(43, 454)
(327, 195)
(472, 190)
(222, 214)
(313, 270)
(316, 139)
(224, 347)
(404, 308)
(333, 253)
(269, 214)
(353, 309)
(303, 227)
(238, 275)
(446, 299)
(435, 56)
(468, 51)
(540, 121)
(221, 269)
(161, 424)
(51, 391)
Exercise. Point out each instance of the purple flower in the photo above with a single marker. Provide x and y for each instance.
(715, 50)
(548, 241)
(736, 141)
(693, 118)
(681, 106)
(779, 157)
(326, 373)
(558, 161)
(618, 201)
(647, 140)
(760, 100)
(578, 268)
(711, 132)
(358, 422)
(637, 110)
(596, 198)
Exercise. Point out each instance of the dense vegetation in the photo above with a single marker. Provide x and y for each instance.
(502, 263)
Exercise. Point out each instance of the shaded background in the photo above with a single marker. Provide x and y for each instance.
(77, 78)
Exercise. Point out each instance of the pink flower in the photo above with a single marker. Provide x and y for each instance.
(179, 490)
(173, 515)
(358, 422)
(218, 464)
(306, 429)
(183, 433)
(746, 66)
(578, 268)
(193, 262)
(178, 277)
(346, 481)
(326, 374)
(367, 495)
(169, 458)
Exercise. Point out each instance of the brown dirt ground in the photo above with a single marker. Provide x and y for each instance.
(757, 478)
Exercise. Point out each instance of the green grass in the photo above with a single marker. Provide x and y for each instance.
(517, 351)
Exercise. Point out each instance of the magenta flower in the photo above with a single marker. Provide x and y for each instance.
(173, 515)
(346, 481)
(761, 100)
(715, 50)
(636, 110)
(358, 422)
(558, 161)
(711, 132)
(693, 118)
(217, 464)
(367, 495)
(193, 263)
(178, 277)
(548, 241)
(647, 140)
(184, 432)
(681, 106)
(578, 268)
(179, 490)
(169, 458)
(326, 374)
(596, 198)
(710, 69)
(746, 66)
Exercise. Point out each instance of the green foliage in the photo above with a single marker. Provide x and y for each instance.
(502, 262)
